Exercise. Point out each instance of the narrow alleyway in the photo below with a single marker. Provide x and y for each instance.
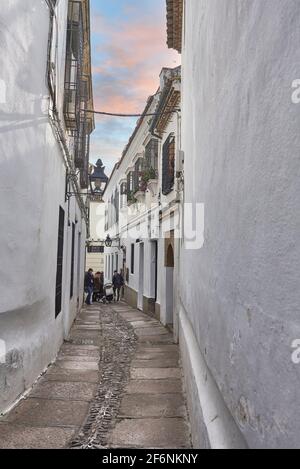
(116, 383)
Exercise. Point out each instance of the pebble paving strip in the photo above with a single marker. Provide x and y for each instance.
(117, 347)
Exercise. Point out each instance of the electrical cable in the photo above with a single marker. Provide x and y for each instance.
(102, 113)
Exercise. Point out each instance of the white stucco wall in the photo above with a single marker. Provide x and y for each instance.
(241, 141)
(32, 186)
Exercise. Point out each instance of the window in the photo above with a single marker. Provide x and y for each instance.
(130, 191)
(52, 58)
(123, 193)
(60, 255)
(72, 261)
(77, 92)
(168, 165)
(151, 156)
(138, 180)
(106, 219)
(123, 188)
(116, 207)
(132, 258)
(74, 60)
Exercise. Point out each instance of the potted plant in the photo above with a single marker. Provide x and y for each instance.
(151, 179)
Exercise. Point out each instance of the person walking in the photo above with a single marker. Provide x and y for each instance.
(118, 282)
(89, 286)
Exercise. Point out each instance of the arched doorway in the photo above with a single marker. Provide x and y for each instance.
(169, 284)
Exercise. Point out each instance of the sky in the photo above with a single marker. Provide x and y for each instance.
(128, 52)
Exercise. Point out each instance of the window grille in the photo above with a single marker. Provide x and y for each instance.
(76, 91)
(168, 165)
(138, 181)
(130, 188)
(123, 194)
(124, 188)
(116, 206)
(74, 61)
(151, 157)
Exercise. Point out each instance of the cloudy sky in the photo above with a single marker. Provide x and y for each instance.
(128, 51)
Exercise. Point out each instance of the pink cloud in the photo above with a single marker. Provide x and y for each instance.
(134, 54)
(126, 72)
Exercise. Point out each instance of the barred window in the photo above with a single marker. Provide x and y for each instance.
(123, 193)
(168, 165)
(151, 157)
(74, 62)
(130, 188)
(138, 182)
(124, 188)
(116, 207)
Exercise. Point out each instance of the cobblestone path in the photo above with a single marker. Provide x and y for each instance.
(116, 383)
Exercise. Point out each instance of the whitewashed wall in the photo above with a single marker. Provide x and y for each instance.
(32, 185)
(240, 292)
(96, 261)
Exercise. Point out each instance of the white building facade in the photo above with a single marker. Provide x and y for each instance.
(239, 298)
(142, 205)
(95, 246)
(46, 70)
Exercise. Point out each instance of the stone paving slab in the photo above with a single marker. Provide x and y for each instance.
(143, 324)
(77, 365)
(154, 386)
(84, 333)
(56, 373)
(77, 358)
(156, 348)
(155, 373)
(134, 314)
(155, 363)
(80, 350)
(64, 390)
(48, 413)
(152, 331)
(86, 327)
(22, 437)
(151, 433)
(152, 405)
(140, 355)
(155, 340)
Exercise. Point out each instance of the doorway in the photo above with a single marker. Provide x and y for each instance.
(153, 270)
(78, 268)
(140, 302)
(169, 285)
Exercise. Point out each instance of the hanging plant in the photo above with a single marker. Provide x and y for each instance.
(148, 174)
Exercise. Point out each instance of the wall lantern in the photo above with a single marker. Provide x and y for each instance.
(108, 242)
(98, 180)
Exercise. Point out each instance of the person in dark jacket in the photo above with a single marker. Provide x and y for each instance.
(89, 286)
(117, 282)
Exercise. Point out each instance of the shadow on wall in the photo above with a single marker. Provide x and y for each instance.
(31, 344)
